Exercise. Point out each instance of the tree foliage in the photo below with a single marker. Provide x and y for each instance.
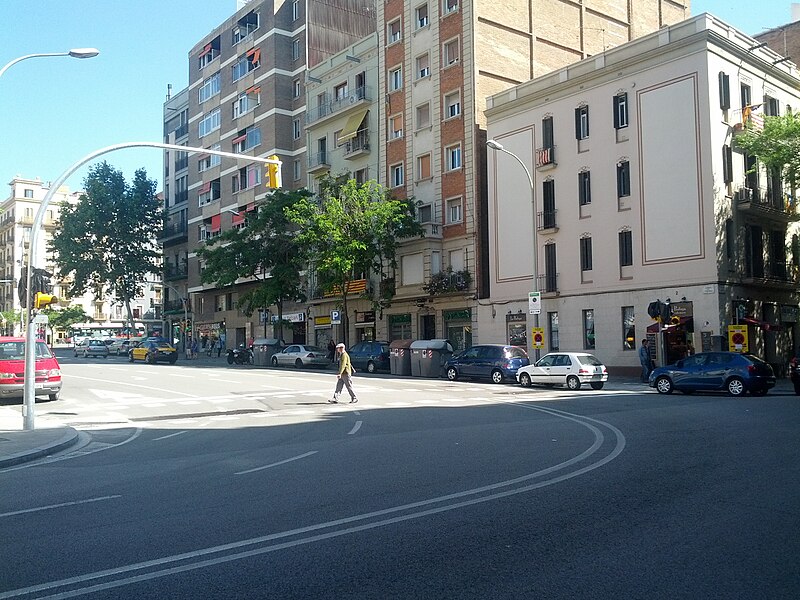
(352, 230)
(266, 251)
(67, 317)
(107, 240)
(777, 146)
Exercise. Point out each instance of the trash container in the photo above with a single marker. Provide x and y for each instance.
(429, 356)
(263, 349)
(400, 357)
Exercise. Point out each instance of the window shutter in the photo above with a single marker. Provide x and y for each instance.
(724, 91)
(727, 164)
(577, 123)
(616, 112)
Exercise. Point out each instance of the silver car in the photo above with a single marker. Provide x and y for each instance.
(91, 347)
(300, 356)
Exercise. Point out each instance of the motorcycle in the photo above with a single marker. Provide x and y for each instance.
(794, 375)
(240, 355)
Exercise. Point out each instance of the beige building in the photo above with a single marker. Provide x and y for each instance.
(439, 60)
(640, 195)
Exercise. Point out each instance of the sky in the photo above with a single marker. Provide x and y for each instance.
(55, 111)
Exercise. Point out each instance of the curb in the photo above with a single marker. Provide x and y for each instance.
(69, 438)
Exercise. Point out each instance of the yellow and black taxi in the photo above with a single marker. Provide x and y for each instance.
(152, 350)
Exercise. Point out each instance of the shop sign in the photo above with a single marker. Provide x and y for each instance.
(788, 314)
(681, 309)
(298, 317)
(516, 318)
(402, 319)
(322, 321)
(457, 315)
(367, 316)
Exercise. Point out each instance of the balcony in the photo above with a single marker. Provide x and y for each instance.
(182, 196)
(776, 275)
(766, 204)
(545, 157)
(432, 230)
(173, 233)
(182, 131)
(358, 146)
(174, 307)
(358, 97)
(318, 162)
(173, 272)
(448, 282)
(548, 284)
(546, 221)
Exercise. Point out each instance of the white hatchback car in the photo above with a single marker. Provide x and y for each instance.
(571, 369)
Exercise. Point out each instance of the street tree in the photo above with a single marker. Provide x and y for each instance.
(777, 146)
(264, 251)
(107, 240)
(352, 229)
(66, 317)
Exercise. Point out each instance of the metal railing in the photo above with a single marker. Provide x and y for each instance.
(331, 106)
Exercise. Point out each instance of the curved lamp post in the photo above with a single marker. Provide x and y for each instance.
(74, 53)
(495, 145)
(28, 407)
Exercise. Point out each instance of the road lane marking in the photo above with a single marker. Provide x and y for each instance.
(61, 505)
(146, 387)
(164, 437)
(355, 428)
(282, 462)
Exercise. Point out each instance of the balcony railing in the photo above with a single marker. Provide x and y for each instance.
(448, 282)
(182, 196)
(182, 131)
(173, 231)
(548, 283)
(768, 203)
(172, 272)
(358, 145)
(546, 219)
(432, 230)
(329, 107)
(545, 155)
(318, 161)
(174, 306)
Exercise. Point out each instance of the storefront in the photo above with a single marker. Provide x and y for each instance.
(400, 327)
(365, 326)
(517, 329)
(458, 325)
(294, 328)
(323, 331)
(209, 332)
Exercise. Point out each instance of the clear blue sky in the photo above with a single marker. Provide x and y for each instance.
(55, 111)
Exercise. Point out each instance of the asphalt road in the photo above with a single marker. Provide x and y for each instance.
(222, 482)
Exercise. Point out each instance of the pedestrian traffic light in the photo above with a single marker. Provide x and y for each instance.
(44, 300)
(274, 172)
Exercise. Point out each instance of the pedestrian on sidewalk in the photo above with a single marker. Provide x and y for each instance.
(189, 349)
(344, 379)
(645, 360)
(331, 349)
(220, 344)
(195, 348)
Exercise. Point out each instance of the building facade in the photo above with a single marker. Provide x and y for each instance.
(640, 195)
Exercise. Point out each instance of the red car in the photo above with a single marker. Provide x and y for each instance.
(12, 369)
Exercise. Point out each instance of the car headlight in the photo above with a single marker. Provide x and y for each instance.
(54, 373)
(6, 376)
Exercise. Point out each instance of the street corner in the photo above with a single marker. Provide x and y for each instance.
(18, 446)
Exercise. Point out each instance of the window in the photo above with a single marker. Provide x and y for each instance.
(209, 123)
(547, 132)
(623, 179)
(452, 104)
(582, 122)
(247, 63)
(423, 167)
(620, 112)
(396, 79)
(246, 102)
(296, 90)
(361, 175)
(28, 193)
(450, 6)
(552, 324)
(628, 328)
(771, 108)
(584, 188)
(454, 212)
(423, 66)
(588, 330)
(450, 53)
(396, 127)
(245, 26)
(247, 140)
(724, 91)
(727, 164)
(295, 10)
(411, 269)
(295, 49)
(393, 32)
(453, 157)
(340, 91)
(586, 254)
(209, 53)
(425, 213)
(396, 175)
(209, 192)
(744, 92)
(625, 248)
(423, 115)
(548, 217)
(421, 15)
(296, 170)
(296, 129)
(211, 160)
(209, 88)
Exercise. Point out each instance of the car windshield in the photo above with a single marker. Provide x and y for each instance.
(16, 350)
(97, 343)
(588, 359)
(515, 352)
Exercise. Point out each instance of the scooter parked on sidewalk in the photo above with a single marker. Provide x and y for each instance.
(240, 355)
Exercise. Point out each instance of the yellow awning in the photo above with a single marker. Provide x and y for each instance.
(353, 123)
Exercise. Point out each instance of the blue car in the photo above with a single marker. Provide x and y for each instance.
(496, 362)
(732, 372)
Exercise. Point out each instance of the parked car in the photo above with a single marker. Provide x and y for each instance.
(91, 347)
(299, 355)
(12, 369)
(153, 349)
(571, 369)
(370, 356)
(733, 372)
(497, 362)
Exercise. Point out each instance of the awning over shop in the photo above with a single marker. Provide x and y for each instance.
(352, 125)
(766, 326)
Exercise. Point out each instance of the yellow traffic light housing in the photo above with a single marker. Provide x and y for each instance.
(44, 300)
(274, 173)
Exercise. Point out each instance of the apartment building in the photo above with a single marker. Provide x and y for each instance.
(640, 194)
(246, 95)
(17, 213)
(341, 128)
(439, 60)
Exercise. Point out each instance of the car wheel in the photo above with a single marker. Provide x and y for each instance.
(53, 397)
(736, 387)
(274, 361)
(664, 385)
(148, 358)
(298, 364)
(525, 380)
(573, 383)
(452, 374)
(130, 356)
(497, 376)
(370, 367)
(597, 385)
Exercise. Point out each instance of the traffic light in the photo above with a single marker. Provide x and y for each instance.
(44, 300)
(274, 173)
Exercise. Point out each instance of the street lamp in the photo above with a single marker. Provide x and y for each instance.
(74, 53)
(495, 145)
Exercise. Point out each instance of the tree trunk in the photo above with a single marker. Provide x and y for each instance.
(130, 316)
(279, 304)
